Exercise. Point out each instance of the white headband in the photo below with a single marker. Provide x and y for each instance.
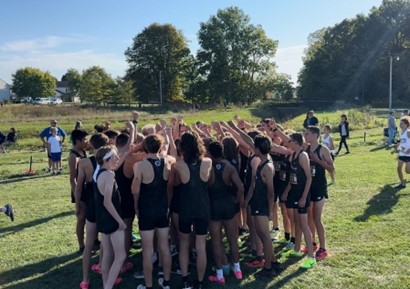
(108, 155)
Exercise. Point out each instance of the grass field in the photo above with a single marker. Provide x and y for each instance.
(366, 221)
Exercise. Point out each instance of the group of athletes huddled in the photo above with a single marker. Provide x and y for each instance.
(183, 182)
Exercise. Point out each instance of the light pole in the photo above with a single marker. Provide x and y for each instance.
(160, 87)
(391, 80)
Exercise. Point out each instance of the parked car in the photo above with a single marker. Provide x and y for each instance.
(56, 101)
(42, 100)
(27, 99)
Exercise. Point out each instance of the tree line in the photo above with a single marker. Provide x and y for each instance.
(235, 64)
(350, 61)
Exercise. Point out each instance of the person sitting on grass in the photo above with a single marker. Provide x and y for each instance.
(8, 210)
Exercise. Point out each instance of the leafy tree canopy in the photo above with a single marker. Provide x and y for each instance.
(33, 82)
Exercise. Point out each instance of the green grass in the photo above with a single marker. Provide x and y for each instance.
(366, 221)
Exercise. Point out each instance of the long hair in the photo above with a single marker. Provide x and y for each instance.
(192, 148)
(230, 148)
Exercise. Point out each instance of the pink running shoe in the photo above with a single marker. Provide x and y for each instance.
(255, 263)
(118, 281)
(321, 254)
(96, 268)
(215, 279)
(238, 275)
(84, 285)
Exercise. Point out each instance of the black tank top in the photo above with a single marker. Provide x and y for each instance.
(153, 196)
(105, 222)
(194, 198)
(248, 176)
(78, 155)
(261, 189)
(297, 176)
(318, 172)
(124, 183)
(277, 160)
(242, 169)
(88, 188)
(284, 169)
(219, 190)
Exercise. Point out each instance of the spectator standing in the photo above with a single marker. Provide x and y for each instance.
(391, 128)
(54, 148)
(310, 119)
(46, 134)
(344, 133)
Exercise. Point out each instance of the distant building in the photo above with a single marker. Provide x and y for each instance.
(5, 91)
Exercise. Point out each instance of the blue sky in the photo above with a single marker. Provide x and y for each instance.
(57, 35)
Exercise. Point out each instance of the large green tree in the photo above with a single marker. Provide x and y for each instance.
(351, 59)
(235, 58)
(33, 82)
(73, 78)
(158, 54)
(96, 86)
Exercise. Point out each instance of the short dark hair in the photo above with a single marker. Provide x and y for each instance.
(152, 143)
(98, 128)
(297, 137)
(263, 143)
(314, 129)
(122, 140)
(98, 140)
(112, 133)
(78, 135)
(253, 133)
(215, 149)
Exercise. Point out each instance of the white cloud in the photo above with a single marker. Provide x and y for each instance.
(58, 63)
(289, 60)
(40, 43)
(45, 53)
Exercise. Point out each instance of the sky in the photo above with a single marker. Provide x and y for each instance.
(57, 35)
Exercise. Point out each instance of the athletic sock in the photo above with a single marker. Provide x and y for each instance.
(292, 239)
(219, 273)
(236, 267)
(165, 283)
(259, 258)
(287, 236)
(184, 278)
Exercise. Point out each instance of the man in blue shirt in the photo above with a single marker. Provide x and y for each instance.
(46, 133)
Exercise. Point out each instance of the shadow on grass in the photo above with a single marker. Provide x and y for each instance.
(55, 272)
(282, 282)
(379, 148)
(22, 177)
(380, 204)
(20, 227)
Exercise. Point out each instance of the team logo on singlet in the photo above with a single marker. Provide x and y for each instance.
(218, 166)
(157, 163)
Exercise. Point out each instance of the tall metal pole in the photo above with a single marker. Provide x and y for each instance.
(160, 87)
(390, 82)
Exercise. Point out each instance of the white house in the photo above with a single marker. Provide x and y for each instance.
(5, 93)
